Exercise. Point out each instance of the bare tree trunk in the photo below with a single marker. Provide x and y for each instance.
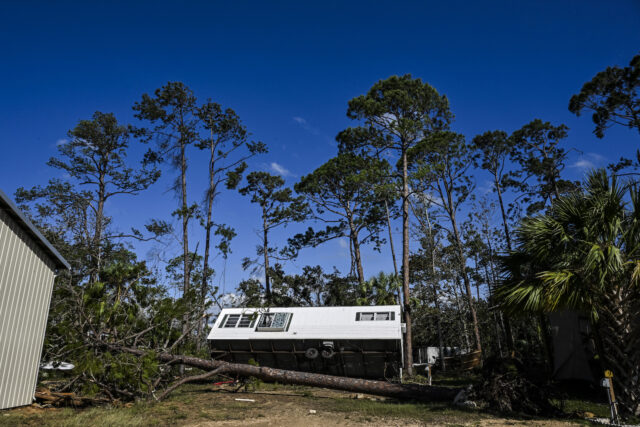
(439, 327)
(352, 268)
(475, 266)
(185, 218)
(393, 252)
(507, 324)
(435, 291)
(99, 227)
(408, 356)
(353, 235)
(265, 247)
(462, 315)
(545, 339)
(465, 277)
(495, 318)
(185, 230)
(505, 223)
(207, 240)
(381, 388)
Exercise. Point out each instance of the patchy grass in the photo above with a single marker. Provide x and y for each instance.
(393, 409)
(275, 404)
(571, 406)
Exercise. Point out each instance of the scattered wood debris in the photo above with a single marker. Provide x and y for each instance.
(45, 396)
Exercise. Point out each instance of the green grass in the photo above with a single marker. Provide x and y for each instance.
(574, 405)
(392, 409)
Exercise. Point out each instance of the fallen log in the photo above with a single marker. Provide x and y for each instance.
(357, 385)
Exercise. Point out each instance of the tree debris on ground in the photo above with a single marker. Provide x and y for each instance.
(507, 388)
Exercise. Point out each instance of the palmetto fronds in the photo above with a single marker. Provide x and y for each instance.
(584, 255)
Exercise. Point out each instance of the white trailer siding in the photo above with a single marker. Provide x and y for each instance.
(27, 273)
(362, 341)
(317, 323)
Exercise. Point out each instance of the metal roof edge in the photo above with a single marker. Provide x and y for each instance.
(16, 213)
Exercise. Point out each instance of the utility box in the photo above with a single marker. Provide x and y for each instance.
(28, 265)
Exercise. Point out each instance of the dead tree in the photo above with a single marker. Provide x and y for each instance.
(357, 385)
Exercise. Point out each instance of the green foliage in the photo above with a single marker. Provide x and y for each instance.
(613, 95)
(172, 112)
(583, 256)
(348, 194)
(278, 204)
(397, 113)
(569, 258)
(96, 154)
(379, 290)
(279, 207)
(539, 154)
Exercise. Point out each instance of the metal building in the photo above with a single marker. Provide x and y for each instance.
(28, 265)
(362, 341)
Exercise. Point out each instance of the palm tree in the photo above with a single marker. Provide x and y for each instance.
(379, 290)
(584, 255)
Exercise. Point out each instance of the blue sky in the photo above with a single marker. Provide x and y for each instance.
(288, 69)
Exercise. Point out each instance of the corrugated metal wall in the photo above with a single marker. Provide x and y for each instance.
(26, 282)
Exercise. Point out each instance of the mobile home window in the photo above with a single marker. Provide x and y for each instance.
(274, 322)
(236, 321)
(232, 320)
(365, 316)
(245, 321)
(380, 315)
(383, 316)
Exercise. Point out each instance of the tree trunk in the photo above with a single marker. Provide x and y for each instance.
(207, 240)
(619, 330)
(505, 319)
(465, 277)
(356, 385)
(505, 224)
(496, 318)
(353, 235)
(393, 252)
(439, 327)
(545, 339)
(408, 356)
(185, 230)
(97, 236)
(435, 291)
(265, 247)
(185, 218)
(461, 313)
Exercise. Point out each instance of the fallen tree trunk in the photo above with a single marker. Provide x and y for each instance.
(381, 388)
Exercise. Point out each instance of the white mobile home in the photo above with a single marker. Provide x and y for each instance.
(28, 264)
(363, 341)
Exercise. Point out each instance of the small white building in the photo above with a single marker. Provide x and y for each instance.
(28, 265)
(362, 341)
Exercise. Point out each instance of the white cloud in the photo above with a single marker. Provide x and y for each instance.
(61, 141)
(279, 169)
(305, 125)
(596, 157)
(343, 243)
(583, 164)
(589, 161)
